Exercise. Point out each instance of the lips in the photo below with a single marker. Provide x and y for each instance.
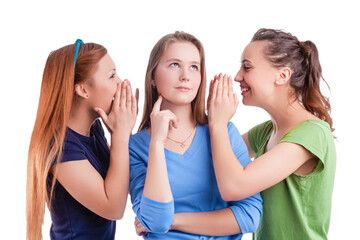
(183, 88)
(244, 89)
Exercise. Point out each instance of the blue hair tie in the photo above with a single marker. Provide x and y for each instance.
(78, 42)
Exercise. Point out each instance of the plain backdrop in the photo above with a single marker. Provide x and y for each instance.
(30, 30)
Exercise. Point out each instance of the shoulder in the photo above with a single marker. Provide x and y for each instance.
(263, 128)
(315, 136)
(310, 130)
(97, 128)
(260, 132)
(139, 139)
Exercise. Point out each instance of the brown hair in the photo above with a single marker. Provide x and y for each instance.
(284, 49)
(151, 94)
(56, 98)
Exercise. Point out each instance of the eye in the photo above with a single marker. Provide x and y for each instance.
(245, 67)
(113, 75)
(174, 64)
(194, 67)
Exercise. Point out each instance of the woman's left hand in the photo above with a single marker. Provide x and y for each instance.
(140, 229)
(222, 101)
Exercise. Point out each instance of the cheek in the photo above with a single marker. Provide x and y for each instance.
(196, 81)
(162, 81)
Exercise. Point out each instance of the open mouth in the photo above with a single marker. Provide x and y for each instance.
(245, 89)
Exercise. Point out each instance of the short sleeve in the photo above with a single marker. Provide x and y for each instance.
(313, 136)
(258, 134)
(72, 151)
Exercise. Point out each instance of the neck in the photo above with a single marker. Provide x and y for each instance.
(287, 114)
(81, 119)
(184, 114)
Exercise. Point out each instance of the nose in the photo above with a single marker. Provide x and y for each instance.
(239, 76)
(184, 75)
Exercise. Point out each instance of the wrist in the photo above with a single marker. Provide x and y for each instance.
(120, 136)
(156, 143)
(217, 126)
(175, 222)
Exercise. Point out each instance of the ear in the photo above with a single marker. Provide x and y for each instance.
(81, 91)
(283, 76)
(152, 82)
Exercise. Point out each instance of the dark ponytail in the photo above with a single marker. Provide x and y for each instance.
(285, 50)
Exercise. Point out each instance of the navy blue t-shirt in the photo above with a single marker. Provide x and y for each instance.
(70, 219)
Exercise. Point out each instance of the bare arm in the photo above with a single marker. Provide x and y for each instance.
(105, 197)
(234, 181)
(215, 223)
(157, 185)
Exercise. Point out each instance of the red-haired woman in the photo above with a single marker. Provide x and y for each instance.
(295, 152)
(70, 166)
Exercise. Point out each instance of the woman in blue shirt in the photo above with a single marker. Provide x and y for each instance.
(172, 181)
(70, 166)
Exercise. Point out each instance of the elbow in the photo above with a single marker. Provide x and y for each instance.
(161, 225)
(114, 215)
(253, 226)
(232, 193)
(161, 228)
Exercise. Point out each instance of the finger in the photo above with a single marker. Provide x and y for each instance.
(135, 105)
(230, 85)
(101, 113)
(211, 86)
(225, 86)
(236, 100)
(157, 104)
(129, 96)
(117, 95)
(220, 86)
(123, 93)
(215, 89)
(174, 121)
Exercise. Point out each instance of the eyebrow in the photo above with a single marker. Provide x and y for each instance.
(245, 61)
(178, 60)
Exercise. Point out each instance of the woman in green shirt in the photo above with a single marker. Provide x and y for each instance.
(294, 152)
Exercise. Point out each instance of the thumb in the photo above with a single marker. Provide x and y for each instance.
(101, 113)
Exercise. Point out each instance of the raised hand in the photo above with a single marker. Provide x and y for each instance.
(222, 101)
(122, 116)
(161, 121)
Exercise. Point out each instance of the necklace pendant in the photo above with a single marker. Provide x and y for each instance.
(182, 145)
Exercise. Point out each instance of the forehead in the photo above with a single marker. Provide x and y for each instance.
(106, 63)
(254, 51)
(185, 51)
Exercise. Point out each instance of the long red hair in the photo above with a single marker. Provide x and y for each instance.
(56, 98)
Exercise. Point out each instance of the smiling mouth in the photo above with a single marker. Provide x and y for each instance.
(245, 89)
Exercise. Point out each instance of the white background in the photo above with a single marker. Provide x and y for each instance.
(129, 29)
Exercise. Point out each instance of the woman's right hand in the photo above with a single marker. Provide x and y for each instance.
(222, 101)
(161, 121)
(122, 116)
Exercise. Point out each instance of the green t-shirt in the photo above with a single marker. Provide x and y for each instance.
(298, 207)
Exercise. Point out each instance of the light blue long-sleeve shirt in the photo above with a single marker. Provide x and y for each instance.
(193, 185)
